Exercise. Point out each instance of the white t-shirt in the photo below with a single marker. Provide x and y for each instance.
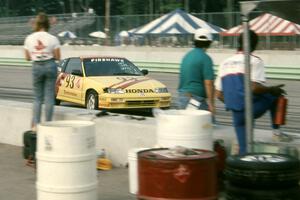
(41, 45)
(236, 65)
(230, 79)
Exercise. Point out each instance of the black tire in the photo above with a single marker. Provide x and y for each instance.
(91, 100)
(266, 170)
(57, 102)
(263, 161)
(237, 193)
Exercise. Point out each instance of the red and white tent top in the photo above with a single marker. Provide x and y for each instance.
(267, 25)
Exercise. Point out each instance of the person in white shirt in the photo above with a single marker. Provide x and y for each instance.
(229, 86)
(42, 49)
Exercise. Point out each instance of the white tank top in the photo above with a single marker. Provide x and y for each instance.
(41, 45)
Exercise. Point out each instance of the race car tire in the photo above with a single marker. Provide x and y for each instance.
(239, 193)
(91, 101)
(57, 102)
(263, 170)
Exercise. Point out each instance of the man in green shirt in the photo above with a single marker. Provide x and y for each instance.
(196, 79)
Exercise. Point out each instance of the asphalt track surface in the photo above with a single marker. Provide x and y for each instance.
(16, 84)
(18, 180)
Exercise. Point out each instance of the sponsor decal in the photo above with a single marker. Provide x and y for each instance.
(139, 91)
(182, 173)
(60, 81)
(107, 60)
(70, 93)
(128, 81)
(77, 84)
(48, 142)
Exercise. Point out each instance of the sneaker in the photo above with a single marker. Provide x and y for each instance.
(31, 162)
(281, 137)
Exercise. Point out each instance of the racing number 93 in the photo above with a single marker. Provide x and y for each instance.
(70, 81)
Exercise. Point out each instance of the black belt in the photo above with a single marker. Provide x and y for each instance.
(43, 61)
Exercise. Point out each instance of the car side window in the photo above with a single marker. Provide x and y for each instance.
(73, 64)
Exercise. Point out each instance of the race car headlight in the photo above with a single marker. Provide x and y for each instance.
(115, 91)
(161, 90)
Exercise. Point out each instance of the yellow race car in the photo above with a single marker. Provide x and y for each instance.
(108, 83)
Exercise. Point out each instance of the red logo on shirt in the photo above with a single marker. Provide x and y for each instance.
(40, 46)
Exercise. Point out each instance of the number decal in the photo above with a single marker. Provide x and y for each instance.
(70, 81)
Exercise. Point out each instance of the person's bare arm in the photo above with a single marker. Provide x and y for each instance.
(27, 55)
(210, 90)
(258, 88)
(56, 54)
(219, 94)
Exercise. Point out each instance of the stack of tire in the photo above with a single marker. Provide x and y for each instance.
(262, 176)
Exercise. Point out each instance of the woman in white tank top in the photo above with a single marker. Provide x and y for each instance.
(42, 49)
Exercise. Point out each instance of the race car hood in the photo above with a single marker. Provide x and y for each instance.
(127, 82)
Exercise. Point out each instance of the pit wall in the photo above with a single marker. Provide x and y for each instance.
(116, 133)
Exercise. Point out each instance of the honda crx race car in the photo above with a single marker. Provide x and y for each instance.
(108, 83)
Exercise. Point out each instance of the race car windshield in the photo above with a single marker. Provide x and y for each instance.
(110, 67)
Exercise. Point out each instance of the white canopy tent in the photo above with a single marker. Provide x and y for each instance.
(98, 34)
(67, 34)
(173, 23)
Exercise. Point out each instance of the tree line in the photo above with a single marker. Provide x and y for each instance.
(10, 8)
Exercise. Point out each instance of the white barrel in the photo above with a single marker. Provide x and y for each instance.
(187, 128)
(133, 169)
(66, 161)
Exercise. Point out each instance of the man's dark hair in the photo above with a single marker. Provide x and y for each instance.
(253, 41)
(202, 44)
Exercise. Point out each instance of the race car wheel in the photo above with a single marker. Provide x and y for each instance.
(57, 102)
(263, 170)
(91, 101)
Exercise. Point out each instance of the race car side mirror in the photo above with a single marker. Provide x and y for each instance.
(145, 72)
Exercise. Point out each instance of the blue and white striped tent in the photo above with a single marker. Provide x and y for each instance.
(174, 23)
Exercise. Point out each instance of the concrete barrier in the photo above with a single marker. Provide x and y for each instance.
(116, 133)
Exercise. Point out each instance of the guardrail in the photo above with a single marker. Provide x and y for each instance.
(14, 62)
(273, 72)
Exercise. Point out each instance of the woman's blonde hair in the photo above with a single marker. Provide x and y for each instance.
(41, 22)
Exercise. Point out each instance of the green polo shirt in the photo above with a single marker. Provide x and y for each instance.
(195, 67)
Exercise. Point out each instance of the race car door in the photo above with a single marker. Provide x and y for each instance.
(72, 86)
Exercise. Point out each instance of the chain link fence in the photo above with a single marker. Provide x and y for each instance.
(13, 31)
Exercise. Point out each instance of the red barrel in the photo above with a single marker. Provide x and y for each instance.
(281, 110)
(166, 176)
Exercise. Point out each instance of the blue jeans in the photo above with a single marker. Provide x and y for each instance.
(261, 105)
(44, 77)
(183, 100)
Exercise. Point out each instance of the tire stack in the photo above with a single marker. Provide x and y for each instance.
(262, 176)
